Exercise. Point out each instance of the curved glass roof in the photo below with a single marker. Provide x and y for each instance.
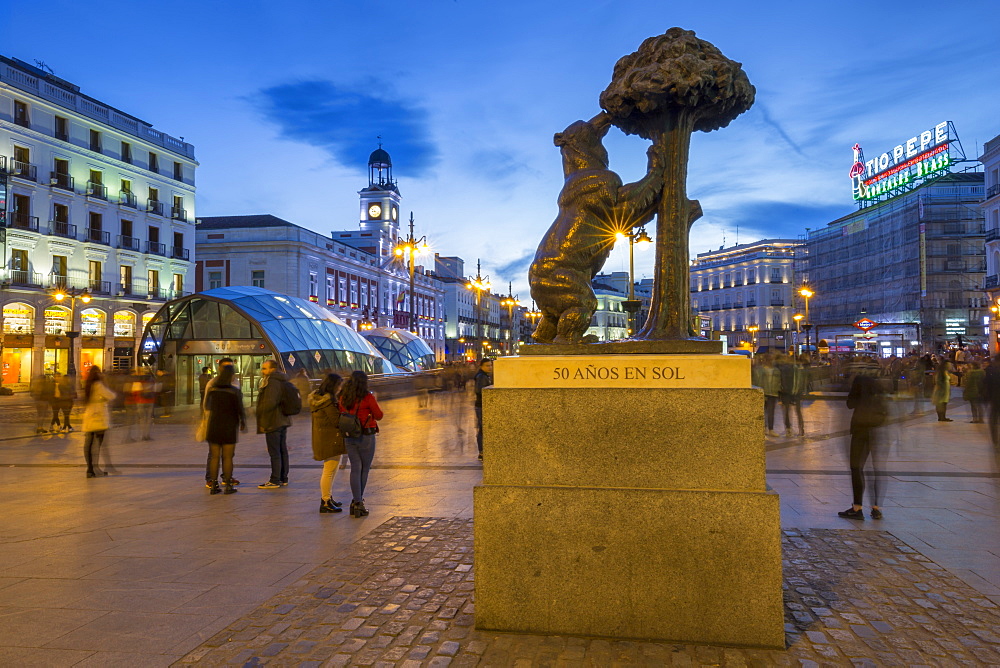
(300, 333)
(402, 348)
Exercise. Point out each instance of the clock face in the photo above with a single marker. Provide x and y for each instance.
(375, 211)
(395, 213)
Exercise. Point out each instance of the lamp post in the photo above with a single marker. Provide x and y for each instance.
(72, 294)
(510, 301)
(807, 293)
(753, 338)
(408, 249)
(478, 284)
(632, 305)
(798, 325)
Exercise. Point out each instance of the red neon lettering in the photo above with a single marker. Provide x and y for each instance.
(909, 163)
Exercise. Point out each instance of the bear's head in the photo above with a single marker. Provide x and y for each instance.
(581, 145)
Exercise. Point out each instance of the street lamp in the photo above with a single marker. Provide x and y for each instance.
(72, 294)
(807, 293)
(510, 301)
(798, 325)
(478, 284)
(632, 305)
(408, 249)
(753, 338)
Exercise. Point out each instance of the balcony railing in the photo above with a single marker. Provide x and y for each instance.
(61, 228)
(180, 253)
(777, 302)
(992, 281)
(178, 213)
(99, 287)
(22, 221)
(993, 191)
(154, 206)
(128, 243)
(23, 170)
(97, 190)
(25, 277)
(58, 280)
(97, 236)
(156, 248)
(992, 234)
(125, 198)
(61, 180)
(62, 135)
(155, 292)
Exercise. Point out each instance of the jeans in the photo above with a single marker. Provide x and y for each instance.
(789, 402)
(769, 405)
(978, 409)
(479, 428)
(330, 467)
(92, 449)
(65, 411)
(360, 451)
(862, 444)
(277, 449)
(217, 452)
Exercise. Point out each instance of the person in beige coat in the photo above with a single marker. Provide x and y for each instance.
(96, 420)
(327, 439)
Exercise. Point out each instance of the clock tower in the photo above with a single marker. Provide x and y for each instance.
(380, 200)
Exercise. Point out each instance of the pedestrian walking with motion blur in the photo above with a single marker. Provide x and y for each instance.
(63, 395)
(274, 418)
(224, 419)
(870, 411)
(356, 400)
(482, 380)
(942, 389)
(767, 378)
(975, 391)
(327, 439)
(991, 392)
(42, 389)
(140, 395)
(794, 382)
(203, 379)
(96, 421)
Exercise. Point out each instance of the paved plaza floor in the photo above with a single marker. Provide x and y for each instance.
(147, 568)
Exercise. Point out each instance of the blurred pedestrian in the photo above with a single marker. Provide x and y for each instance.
(96, 420)
(139, 399)
(975, 392)
(225, 417)
(870, 410)
(63, 395)
(991, 392)
(302, 383)
(482, 379)
(223, 363)
(355, 399)
(327, 439)
(273, 423)
(767, 378)
(793, 386)
(42, 389)
(164, 392)
(203, 378)
(942, 390)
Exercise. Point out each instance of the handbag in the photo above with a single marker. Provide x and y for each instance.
(201, 433)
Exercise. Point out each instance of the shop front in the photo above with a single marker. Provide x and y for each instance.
(18, 345)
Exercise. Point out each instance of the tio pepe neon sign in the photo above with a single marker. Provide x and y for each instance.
(916, 158)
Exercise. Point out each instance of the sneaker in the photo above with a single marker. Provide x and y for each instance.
(208, 483)
(876, 514)
(234, 482)
(852, 514)
(69, 429)
(269, 485)
(284, 483)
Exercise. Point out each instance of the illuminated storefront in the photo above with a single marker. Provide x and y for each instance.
(18, 343)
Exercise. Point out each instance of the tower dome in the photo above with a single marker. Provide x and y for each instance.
(380, 170)
(379, 158)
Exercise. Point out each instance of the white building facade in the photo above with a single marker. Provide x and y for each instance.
(92, 201)
(991, 213)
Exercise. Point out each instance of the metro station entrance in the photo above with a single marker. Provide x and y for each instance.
(189, 368)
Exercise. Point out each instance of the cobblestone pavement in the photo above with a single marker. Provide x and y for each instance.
(403, 596)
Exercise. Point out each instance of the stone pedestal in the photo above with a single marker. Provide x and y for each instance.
(624, 496)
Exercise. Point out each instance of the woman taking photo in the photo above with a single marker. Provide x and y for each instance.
(355, 399)
(224, 418)
(96, 419)
(327, 440)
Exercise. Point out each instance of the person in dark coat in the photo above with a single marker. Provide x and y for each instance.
(203, 379)
(63, 396)
(991, 393)
(870, 410)
(483, 379)
(273, 423)
(225, 417)
(327, 439)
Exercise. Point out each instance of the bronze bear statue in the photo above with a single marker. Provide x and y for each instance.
(593, 206)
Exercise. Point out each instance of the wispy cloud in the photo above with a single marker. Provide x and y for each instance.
(346, 121)
(499, 165)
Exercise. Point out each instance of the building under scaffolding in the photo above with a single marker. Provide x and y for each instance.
(914, 264)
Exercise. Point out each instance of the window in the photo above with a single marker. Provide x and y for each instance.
(177, 212)
(178, 284)
(21, 114)
(154, 163)
(60, 213)
(62, 128)
(21, 165)
(313, 284)
(178, 171)
(126, 152)
(330, 293)
(126, 186)
(94, 274)
(60, 174)
(19, 260)
(125, 274)
(126, 229)
(95, 185)
(154, 194)
(354, 293)
(153, 280)
(95, 221)
(59, 270)
(95, 141)
(214, 280)
(776, 274)
(752, 277)
(257, 278)
(154, 234)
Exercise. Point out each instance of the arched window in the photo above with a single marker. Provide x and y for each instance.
(18, 318)
(124, 324)
(93, 322)
(57, 320)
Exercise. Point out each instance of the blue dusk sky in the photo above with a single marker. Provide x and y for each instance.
(284, 101)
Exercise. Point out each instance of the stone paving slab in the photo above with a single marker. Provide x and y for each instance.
(403, 596)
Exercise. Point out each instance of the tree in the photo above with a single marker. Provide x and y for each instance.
(673, 85)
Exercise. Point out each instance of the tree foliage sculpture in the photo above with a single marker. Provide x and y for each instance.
(673, 85)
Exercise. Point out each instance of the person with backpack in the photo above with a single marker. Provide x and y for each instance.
(224, 419)
(327, 439)
(359, 415)
(277, 401)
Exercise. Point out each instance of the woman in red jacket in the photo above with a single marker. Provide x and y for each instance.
(357, 400)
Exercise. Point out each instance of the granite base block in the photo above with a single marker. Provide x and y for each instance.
(674, 565)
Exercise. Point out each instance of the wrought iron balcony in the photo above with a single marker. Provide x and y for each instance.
(178, 213)
(156, 248)
(61, 228)
(97, 190)
(993, 191)
(58, 280)
(99, 287)
(25, 278)
(777, 302)
(180, 253)
(22, 221)
(125, 198)
(23, 170)
(154, 206)
(992, 281)
(128, 243)
(61, 180)
(97, 236)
